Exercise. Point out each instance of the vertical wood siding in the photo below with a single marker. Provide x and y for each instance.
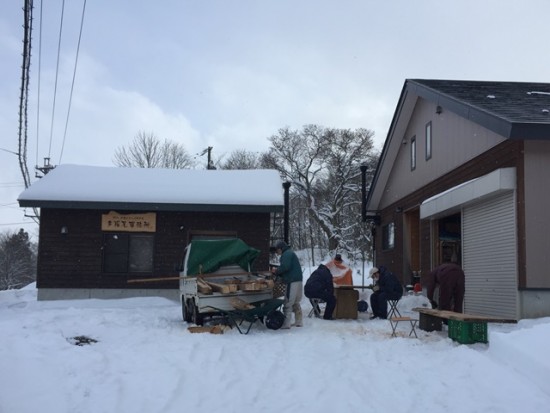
(75, 260)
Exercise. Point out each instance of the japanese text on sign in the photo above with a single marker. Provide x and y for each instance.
(113, 221)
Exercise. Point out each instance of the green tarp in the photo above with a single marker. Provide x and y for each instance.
(206, 256)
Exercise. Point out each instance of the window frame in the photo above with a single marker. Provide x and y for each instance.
(413, 153)
(428, 134)
(388, 236)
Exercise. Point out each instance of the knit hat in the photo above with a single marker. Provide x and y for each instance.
(280, 245)
(373, 271)
(338, 257)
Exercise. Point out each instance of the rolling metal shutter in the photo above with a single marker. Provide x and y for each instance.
(489, 243)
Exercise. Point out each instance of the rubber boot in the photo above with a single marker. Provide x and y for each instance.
(298, 316)
(288, 318)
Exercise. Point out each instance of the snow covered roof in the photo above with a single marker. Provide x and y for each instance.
(79, 186)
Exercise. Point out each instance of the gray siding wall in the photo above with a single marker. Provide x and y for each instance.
(537, 209)
(489, 241)
(455, 141)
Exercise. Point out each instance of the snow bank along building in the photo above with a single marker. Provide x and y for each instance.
(465, 172)
(103, 226)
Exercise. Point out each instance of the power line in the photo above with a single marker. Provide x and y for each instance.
(39, 77)
(74, 76)
(19, 223)
(56, 76)
(11, 184)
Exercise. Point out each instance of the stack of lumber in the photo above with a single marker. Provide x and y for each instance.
(256, 285)
(221, 288)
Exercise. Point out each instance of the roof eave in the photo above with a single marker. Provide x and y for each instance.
(137, 206)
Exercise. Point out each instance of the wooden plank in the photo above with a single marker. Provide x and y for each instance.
(222, 288)
(145, 280)
(401, 319)
(240, 304)
(451, 315)
(203, 287)
(207, 329)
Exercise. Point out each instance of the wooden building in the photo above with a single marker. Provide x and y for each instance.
(465, 172)
(103, 226)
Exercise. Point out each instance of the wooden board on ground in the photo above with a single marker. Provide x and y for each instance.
(218, 329)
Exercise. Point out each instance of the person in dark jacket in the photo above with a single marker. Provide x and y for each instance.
(290, 271)
(451, 280)
(319, 285)
(386, 287)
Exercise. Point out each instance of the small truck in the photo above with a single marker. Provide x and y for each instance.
(217, 277)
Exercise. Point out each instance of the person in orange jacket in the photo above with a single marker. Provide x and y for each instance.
(341, 274)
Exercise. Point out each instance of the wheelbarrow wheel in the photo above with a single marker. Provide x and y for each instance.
(274, 320)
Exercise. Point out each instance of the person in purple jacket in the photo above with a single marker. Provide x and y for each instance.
(451, 280)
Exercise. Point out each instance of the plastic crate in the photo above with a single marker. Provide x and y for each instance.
(468, 332)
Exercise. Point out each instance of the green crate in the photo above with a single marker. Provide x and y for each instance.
(468, 332)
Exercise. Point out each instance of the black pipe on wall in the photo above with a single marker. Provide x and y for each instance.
(286, 186)
(364, 193)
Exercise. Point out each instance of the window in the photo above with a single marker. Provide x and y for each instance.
(428, 140)
(388, 236)
(124, 253)
(413, 153)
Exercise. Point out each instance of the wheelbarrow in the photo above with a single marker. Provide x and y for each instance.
(264, 311)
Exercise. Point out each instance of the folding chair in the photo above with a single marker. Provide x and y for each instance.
(316, 307)
(395, 320)
(394, 312)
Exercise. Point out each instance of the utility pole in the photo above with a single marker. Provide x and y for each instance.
(210, 164)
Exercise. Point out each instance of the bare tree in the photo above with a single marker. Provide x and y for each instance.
(147, 151)
(243, 159)
(323, 166)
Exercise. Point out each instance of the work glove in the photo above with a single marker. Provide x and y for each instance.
(434, 304)
(376, 288)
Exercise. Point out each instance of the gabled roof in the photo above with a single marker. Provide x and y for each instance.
(93, 187)
(514, 110)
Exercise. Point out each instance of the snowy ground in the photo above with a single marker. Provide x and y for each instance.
(146, 361)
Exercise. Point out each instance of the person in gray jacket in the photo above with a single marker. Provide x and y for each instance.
(290, 271)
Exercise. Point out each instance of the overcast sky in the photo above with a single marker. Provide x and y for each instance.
(231, 73)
